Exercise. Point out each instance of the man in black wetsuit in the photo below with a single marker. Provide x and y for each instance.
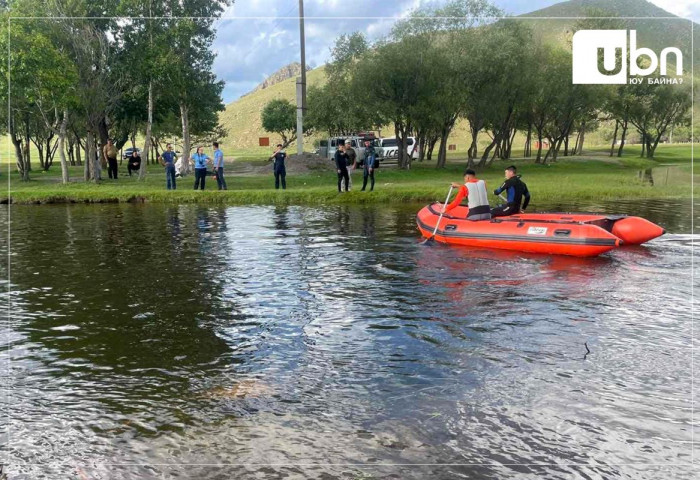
(341, 166)
(515, 190)
(279, 168)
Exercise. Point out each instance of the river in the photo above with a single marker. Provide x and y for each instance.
(155, 341)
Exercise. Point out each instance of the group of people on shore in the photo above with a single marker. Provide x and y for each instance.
(474, 190)
(346, 156)
(173, 165)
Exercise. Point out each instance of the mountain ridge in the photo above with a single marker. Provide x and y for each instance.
(290, 70)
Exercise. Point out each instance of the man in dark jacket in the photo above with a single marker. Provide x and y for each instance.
(280, 170)
(352, 158)
(516, 191)
(134, 162)
(341, 166)
(368, 165)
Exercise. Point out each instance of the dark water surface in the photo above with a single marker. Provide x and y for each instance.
(151, 341)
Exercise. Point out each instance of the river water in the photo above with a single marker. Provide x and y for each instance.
(150, 341)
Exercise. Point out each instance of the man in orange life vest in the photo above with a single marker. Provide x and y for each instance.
(477, 198)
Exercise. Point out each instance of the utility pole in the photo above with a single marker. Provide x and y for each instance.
(301, 84)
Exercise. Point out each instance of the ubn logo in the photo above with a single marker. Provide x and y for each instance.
(588, 44)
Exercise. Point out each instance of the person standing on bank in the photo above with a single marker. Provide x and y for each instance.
(278, 167)
(352, 158)
(111, 153)
(341, 165)
(200, 160)
(368, 166)
(168, 159)
(477, 199)
(219, 167)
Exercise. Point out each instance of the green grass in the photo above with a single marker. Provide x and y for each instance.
(588, 178)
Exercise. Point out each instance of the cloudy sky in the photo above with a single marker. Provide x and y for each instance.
(255, 46)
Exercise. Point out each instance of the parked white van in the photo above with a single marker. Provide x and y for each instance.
(388, 147)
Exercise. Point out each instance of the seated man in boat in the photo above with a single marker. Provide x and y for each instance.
(516, 191)
(477, 198)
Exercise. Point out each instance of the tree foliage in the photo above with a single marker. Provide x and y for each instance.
(280, 116)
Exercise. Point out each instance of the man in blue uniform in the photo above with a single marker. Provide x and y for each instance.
(168, 159)
(219, 166)
(280, 171)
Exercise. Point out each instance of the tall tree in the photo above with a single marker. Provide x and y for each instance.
(656, 109)
(191, 36)
(332, 107)
(280, 116)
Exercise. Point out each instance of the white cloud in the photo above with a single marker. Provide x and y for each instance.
(250, 49)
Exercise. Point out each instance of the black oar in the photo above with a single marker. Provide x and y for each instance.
(439, 218)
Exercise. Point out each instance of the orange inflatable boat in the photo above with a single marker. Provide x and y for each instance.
(578, 234)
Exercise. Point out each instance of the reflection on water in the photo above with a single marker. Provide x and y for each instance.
(663, 175)
(285, 342)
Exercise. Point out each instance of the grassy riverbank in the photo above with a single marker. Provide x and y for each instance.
(594, 176)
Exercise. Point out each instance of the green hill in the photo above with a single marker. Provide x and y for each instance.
(656, 28)
(241, 119)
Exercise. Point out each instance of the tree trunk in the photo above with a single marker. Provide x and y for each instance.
(62, 147)
(104, 136)
(19, 154)
(474, 147)
(539, 146)
(69, 147)
(496, 153)
(27, 145)
(555, 153)
(528, 142)
(40, 150)
(550, 150)
(149, 123)
(431, 146)
(622, 137)
(612, 145)
(580, 143)
(485, 155)
(644, 144)
(566, 146)
(48, 159)
(509, 145)
(87, 165)
(651, 145)
(52, 152)
(421, 147)
(442, 150)
(403, 158)
(78, 149)
(186, 147)
(445, 131)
